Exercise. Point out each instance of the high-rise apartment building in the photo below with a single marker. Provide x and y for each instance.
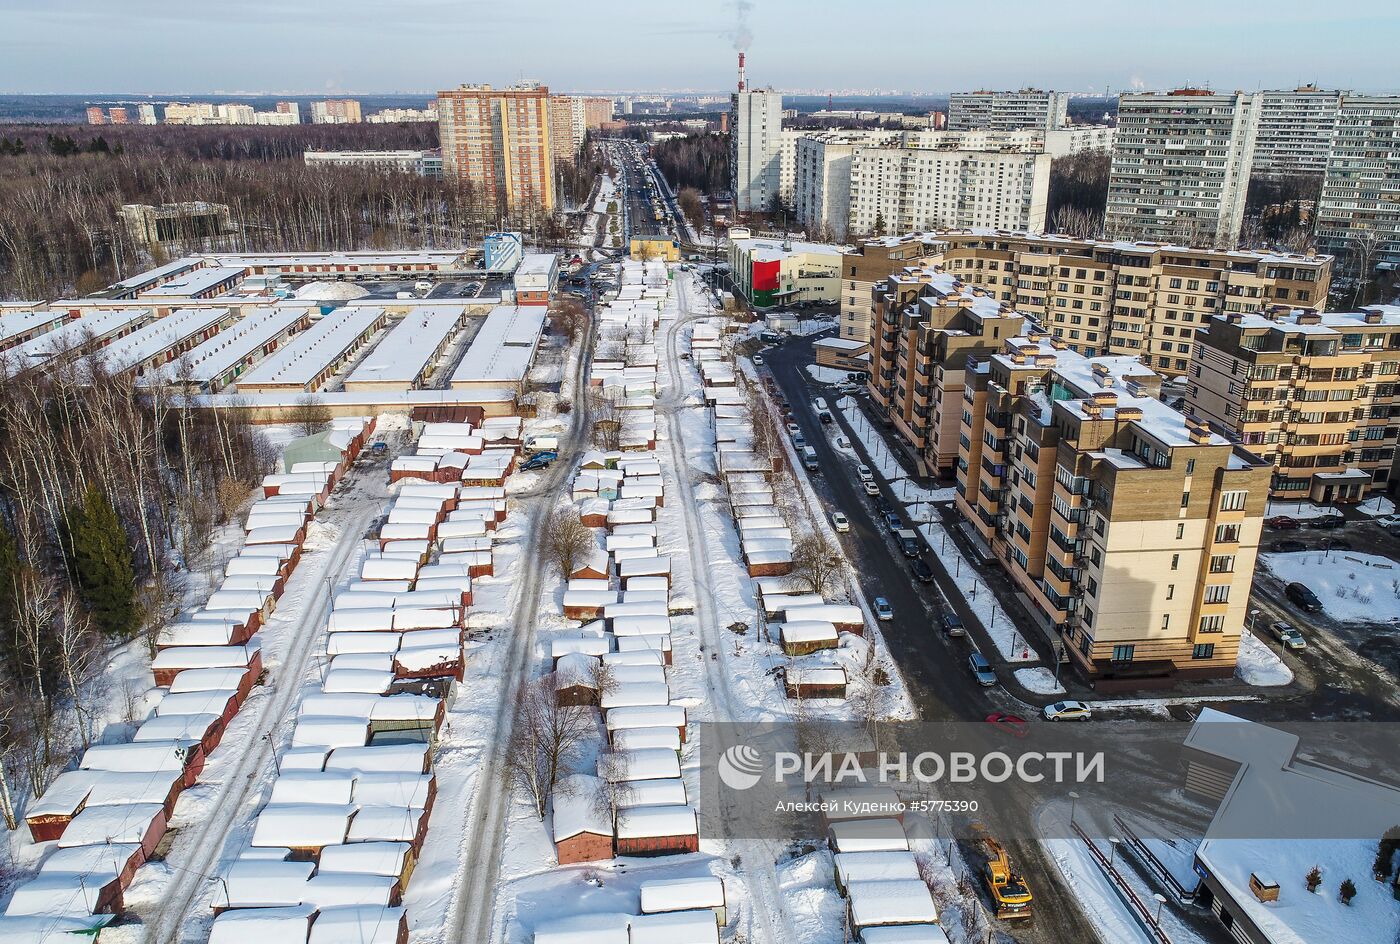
(896, 189)
(96, 116)
(1181, 164)
(1007, 111)
(1295, 131)
(755, 148)
(336, 111)
(1358, 214)
(500, 141)
(872, 261)
(927, 325)
(1316, 394)
(1132, 530)
(822, 177)
(146, 114)
(290, 108)
(572, 117)
(118, 115)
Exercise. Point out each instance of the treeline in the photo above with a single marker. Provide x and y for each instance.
(233, 142)
(60, 232)
(107, 491)
(1078, 194)
(698, 160)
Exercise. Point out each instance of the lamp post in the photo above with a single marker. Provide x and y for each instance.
(1161, 900)
(1073, 801)
(1113, 842)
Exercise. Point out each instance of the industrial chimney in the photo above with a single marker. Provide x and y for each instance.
(743, 83)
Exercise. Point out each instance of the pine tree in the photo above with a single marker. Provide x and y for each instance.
(1347, 891)
(101, 559)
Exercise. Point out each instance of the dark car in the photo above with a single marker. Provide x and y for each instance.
(824, 416)
(882, 505)
(539, 460)
(1282, 523)
(893, 521)
(1336, 544)
(953, 624)
(1303, 597)
(1287, 547)
(922, 572)
(1326, 522)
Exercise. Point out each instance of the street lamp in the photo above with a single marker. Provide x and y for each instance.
(1161, 900)
(1073, 800)
(1113, 842)
(1253, 615)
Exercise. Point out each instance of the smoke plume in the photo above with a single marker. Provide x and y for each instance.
(739, 34)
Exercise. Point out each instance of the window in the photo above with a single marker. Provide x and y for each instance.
(1166, 620)
(1222, 564)
(1190, 466)
(1203, 650)
(1232, 501)
(1122, 653)
(1227, 534)
(1171, 590)
(1217, 593)
(1180, 531)
(1185, 499)
(1212, 624)
(1176, 559)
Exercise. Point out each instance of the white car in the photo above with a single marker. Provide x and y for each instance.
(865, 474)
(1067, 711)
(840, 522)
(758, 359)
(1388, 521)
(870, 487)
(842, 442)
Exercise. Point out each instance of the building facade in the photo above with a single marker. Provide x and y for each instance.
(1181, 163)
(1358, 214)
(1295, 131)
(336, 111)
(1007, 111)
(755, 147)
(774, 272)
(420, 163)
(1068, 471)
(822, 172)
(572, 117)
(1144, 300)
(899, 189)
(500, 141)
(146, 114)
(1316, 394)
(872, 261)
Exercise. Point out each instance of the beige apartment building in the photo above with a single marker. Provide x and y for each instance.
(874, 260)
(927, 324)
(500, 141)
(1069, 471)
(1316, 394)
(571, 118)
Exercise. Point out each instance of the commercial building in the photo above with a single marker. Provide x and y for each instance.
(755, 150)
(1007, 111)
(1069, 471)
(927, 324)
(500, 141)
(1181, 163)
(336, 111)
(1140, 299)
(536, 278)
(901, 189)
(421, 163)
(1358, 214)
(772, 272)
(1314, 393)
(1295, 131)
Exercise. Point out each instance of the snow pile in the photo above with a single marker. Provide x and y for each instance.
(1380, 505)
(1361, 587)
(331, 291)
(1260, 665)
(1039, 680)
(826, 375)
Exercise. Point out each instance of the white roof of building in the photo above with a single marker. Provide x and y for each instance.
(906, 901)
(503, 347)
(358, 923)
(264, 925)
(212, 359)
(194, 282)
(404, 353)
(577, 808)
(300, 360)
(609, 928)
(157, 337)
(680, 894)
(641, 822)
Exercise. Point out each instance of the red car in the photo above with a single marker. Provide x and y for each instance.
(1014, 724)
(1282, 523)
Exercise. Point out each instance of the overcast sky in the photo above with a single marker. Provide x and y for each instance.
(313, 46)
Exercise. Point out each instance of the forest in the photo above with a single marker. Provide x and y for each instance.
(62, 189)
(107, 493)
(700, 161)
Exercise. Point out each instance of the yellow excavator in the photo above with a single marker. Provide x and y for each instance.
(1010, 893)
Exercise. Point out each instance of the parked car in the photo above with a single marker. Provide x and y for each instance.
(953, 624)
(842, 442)
(981, 669)
(1287, 547)
(1067, 711)
(882, 506)
(1014, 725)
(825, 418)
(793, 429)
(840, 522)
(864, 472)
(758, 360)
(883, 610)
(922, 572)
(1288, 634)
(870, 488)
(539, 460)
(1326, 522)
(893, 521)
(908, 542)
(1282, 523)
(1303, 597)
(1336, 544)
(1389, 522)
(799, 440)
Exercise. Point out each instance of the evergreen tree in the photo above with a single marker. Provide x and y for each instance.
(98, 145)
(101, 559)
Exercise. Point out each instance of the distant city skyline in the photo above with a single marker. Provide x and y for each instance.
(310, 47)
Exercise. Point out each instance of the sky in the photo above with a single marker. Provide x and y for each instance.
(324, 46)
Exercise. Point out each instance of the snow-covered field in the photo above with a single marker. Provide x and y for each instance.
(1351, 586)
(1039, 680)
(1260, 665)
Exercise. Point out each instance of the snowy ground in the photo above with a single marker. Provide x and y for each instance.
(1380, 505)
(1351, 586)
(1039, 680)
(1260, 665)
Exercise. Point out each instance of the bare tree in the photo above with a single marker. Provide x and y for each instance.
(310, 414)
(544, 737)
(606, 419)
(1365, 245)
(816, 563)
(567, 540)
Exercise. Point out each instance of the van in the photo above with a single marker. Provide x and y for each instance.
(908, 542)
(423, 287)
(542, 444)
(809, 459)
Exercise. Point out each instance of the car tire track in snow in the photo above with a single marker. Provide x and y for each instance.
(474, 897)
(774, 912)
(242, 781)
